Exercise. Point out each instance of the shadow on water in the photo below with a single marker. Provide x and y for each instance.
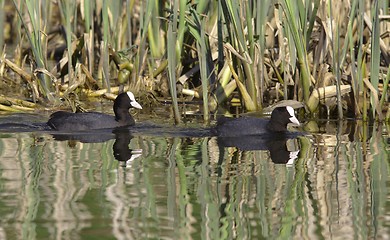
(178, 183)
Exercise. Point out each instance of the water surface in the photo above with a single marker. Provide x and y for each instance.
(189, 187)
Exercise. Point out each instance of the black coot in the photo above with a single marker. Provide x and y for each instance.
(66, 121)
(246, 126)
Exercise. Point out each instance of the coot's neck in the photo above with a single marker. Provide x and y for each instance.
(123, 116)
(276, 126)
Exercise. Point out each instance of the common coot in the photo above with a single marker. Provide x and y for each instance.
(245, 126)
(67, 121)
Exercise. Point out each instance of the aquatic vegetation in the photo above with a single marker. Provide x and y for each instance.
(333, 56)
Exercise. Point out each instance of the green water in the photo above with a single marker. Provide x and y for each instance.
(192, 188)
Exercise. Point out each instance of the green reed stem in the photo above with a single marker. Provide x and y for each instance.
(262, 8)
(385, 87)
(129, 15)
(156, 41)
(375, 59)
(182, 28)
(336, 60)
(105, 53)
(171, 37)
(66, 10)
(297, 28)
(202, 53)
(239, 40)
(355, 70)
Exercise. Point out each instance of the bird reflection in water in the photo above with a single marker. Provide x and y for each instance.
(121, 149)
(283, 148)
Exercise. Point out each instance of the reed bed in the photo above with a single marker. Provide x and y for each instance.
(333, 56)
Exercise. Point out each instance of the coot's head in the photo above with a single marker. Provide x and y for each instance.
(123, 103)
(280, 117)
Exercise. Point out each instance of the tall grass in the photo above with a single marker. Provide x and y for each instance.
(261, 51)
